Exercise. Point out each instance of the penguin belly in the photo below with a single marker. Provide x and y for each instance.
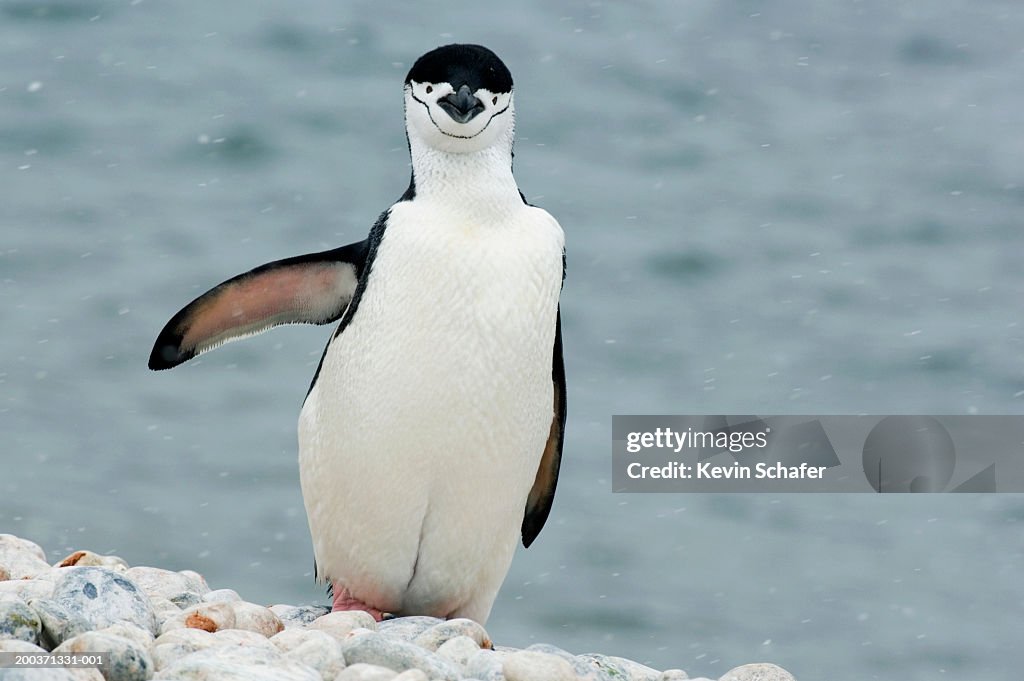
(421, 438)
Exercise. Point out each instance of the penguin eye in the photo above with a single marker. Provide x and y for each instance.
(430, 88)
(494, 100)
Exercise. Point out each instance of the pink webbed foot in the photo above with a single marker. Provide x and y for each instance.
(344, 600)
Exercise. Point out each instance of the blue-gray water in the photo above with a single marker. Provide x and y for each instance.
(780, 207)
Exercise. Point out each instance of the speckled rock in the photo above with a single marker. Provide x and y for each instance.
(209, 617)
(158, 583)
(611, 667)
(459, 650)
(237, 663)
(407, 628)
(90, 559)
(398, 655)
(529, 665)
(256, 618)
(221, 596)
(366, 672)
(437, 635)
(104, 597)
(299, 615)
(341, 624)
(59, 623)
(761, 671)
(318, 649)
(673, 675)
(126, 659)
(18, 621)
(487, 665)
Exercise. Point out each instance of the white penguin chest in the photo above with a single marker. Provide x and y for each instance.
(457, 321)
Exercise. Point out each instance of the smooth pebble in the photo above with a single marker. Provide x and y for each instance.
(434, 637)
(761, 671)
(529, 665)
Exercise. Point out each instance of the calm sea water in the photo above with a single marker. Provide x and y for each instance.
(771, 208)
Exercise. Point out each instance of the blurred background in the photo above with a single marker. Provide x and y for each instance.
(770, 208)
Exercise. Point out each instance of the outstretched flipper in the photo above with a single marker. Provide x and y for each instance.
(538, 503)
(307, 289)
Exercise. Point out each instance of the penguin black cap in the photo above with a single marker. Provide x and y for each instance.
(472, 65)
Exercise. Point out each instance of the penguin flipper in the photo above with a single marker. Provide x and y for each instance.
(307, 289)
(538, 503)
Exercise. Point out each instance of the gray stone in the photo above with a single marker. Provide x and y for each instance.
(673, 675)
(299, 616)
(762, 671)
(394, 653)
(529, 665)
(611, 667)
(237, 663)
(437, 635)
(58, 623)
(19, 621)
(104, 597)
(125, 660)
(407, 628)
(582, 667)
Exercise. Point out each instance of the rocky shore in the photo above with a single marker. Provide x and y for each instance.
(158, 624)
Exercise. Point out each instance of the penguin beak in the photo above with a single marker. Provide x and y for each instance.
(462, 106)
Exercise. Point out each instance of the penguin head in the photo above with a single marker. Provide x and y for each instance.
(458, 98)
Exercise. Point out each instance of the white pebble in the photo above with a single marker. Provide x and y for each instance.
(459, 650)
(366, 672)
(528, 665)
(257, 618)
(221, 596)
(758, 672)
(435, 636)
(340, 624)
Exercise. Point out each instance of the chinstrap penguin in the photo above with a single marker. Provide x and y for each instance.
(431, 436)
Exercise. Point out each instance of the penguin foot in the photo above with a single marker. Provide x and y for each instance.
(344, 600)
